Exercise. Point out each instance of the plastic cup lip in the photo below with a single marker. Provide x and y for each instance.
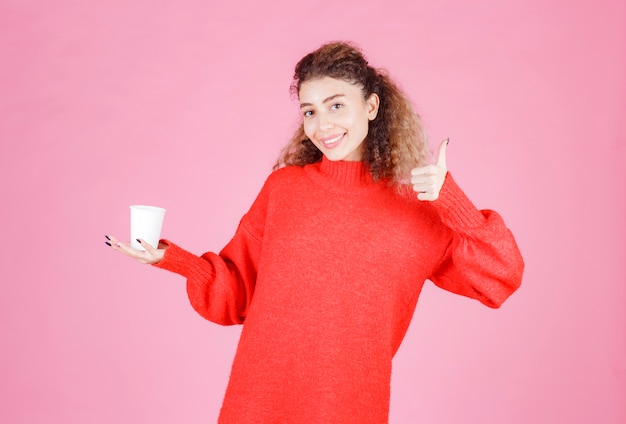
(148, 207)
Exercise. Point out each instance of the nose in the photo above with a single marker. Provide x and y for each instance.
(324, 121)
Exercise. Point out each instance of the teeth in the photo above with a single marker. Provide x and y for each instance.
(332, 140)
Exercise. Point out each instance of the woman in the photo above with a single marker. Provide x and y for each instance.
(325, 269)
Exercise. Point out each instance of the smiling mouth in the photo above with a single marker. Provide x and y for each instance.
(332, 142)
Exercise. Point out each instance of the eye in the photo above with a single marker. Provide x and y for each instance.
(336, 106)
(307, 113)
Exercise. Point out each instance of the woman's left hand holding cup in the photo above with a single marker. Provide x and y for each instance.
(149, 256)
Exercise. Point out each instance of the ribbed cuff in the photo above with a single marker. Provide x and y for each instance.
(179, 260)
(455, 209)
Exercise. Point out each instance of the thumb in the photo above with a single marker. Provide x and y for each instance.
(441, 154)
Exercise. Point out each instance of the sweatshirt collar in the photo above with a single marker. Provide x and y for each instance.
(346, 173)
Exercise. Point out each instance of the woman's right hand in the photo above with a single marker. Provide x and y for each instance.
(149, 256)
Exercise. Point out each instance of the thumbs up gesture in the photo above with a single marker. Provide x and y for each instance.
(428, 180)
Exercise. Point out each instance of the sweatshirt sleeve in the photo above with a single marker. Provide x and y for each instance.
(482, 260)
(220, 286)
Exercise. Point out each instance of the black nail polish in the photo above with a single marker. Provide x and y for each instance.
(138, 241)
(107, 237)
(107, 243)
(448, 141)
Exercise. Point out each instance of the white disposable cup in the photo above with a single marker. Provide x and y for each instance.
(145, 223)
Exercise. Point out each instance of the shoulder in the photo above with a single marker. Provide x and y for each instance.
(277, 189)
(289, 171)
(278, 183)
(283, 177)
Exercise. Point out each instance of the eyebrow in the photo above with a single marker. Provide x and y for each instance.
(326, 100)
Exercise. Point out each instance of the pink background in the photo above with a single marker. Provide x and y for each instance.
(186, 105)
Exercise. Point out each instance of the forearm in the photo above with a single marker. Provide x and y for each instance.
(213, 287)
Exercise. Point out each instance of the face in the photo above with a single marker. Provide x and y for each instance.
(336, 117)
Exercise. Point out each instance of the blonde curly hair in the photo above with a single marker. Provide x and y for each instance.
(396, 142)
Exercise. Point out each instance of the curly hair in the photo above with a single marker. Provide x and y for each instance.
(396, 142)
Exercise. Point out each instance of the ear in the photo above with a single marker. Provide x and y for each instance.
(371, 105)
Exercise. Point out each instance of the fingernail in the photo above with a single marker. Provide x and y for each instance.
(138, 241)
(107, 243)
(107, 237)
(447, 141)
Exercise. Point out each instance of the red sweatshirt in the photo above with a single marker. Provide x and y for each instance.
(324, 272)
